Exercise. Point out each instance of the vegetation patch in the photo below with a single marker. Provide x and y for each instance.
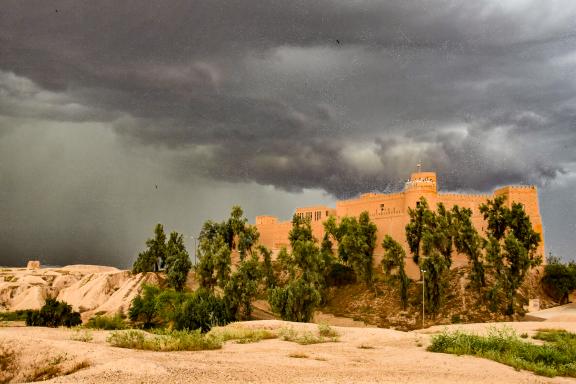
(307, 337)
(164, 340)
(242, 335)
(107, 322)
(53, 313)
(84, 335)
(557, 357)
(8, 362)
(13, 316)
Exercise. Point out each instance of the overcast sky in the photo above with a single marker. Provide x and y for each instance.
(117, 115)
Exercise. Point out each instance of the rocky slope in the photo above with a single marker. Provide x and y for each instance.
(89, 289)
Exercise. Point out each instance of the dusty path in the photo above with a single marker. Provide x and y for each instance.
(387, 357)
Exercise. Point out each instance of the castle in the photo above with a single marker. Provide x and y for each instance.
(390, 214)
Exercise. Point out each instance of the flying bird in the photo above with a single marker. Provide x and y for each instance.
(156, 186)
(338, 41)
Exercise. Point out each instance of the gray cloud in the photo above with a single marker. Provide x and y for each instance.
(330, 95)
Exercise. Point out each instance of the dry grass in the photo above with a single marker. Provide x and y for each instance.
(241, 335)
(298, 355)
(84, 335)
(325, 335)
(8, 362)
(365, 346)
(56, 366)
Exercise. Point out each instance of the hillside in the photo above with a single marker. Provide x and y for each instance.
(382, 307)
(107, 290)
(89, 289)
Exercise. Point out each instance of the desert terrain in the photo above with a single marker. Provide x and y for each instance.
(362, 354)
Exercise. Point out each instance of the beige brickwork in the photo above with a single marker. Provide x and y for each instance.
(390, 214)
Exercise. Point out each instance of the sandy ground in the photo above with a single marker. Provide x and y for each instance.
(394, 357)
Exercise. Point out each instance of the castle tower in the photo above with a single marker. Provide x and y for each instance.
(421, 184)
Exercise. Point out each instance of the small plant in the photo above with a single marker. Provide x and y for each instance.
(524, 335)
(164, 340)
(83, 335)
(327, 331)
(106, 322)
(8, 362)
(298, 355)
(305, 337)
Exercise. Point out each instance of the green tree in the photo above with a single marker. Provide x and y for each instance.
(299, 297)
(177, 261)
(267, 269)
(512, 246)
(296, 301)
(430, 236)
(143, 307)
(215, 262)
(559, 279)
(154, 257)
(420, 219)
(393, 264)
(242, 288)
(356, 243)
(469, 242)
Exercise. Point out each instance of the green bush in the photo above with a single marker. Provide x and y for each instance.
(106, 322)
(164, 340)
(559, 279)
(201, 309)
(53, 313)
(555, 358)
(296, 301)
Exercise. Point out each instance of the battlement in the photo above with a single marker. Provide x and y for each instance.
(260, 220)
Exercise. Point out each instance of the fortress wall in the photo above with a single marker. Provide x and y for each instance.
(374, 204)
(273, 233)
(389, 212)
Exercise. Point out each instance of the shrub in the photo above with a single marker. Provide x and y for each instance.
(307, 337)
(53, 313)
(555, 358)
(201, 310)
(8, 362)
(106, 322)
(84, 335)
(327, 331)
(164, 340)
(296, 301)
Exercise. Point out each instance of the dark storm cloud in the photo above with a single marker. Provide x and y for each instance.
(340, 96)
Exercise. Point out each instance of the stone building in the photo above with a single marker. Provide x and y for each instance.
(390, 213)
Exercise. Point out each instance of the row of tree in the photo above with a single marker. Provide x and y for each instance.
(295, 284)
(506, 253)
